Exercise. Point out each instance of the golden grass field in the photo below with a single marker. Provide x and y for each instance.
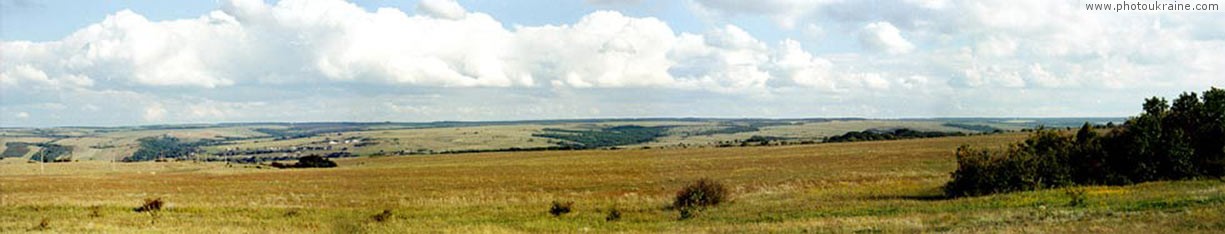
(886, 186)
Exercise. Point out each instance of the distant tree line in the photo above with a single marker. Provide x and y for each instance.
(606, 137)
(311, 161)
(260, 159)
(164, 147)
(1165, 142)
(727, 129)
(50, 152)
(896, 134)
(975, 127)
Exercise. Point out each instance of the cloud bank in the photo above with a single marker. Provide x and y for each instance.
(319, 60)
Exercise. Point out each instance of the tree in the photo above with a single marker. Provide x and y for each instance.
(1155, 106)
(1185, 140)
(1210, 148)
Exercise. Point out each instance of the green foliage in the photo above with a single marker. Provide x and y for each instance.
(607, 137)
(50, 152)
(1186, 140)
(1076, 196)
(163, 147)
(897, 134)
(1039, 162)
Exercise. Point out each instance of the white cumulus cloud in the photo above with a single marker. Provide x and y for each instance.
(883, 36)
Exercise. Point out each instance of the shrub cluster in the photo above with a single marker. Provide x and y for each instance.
(1165, 142)
(307, 162)
(698, 195)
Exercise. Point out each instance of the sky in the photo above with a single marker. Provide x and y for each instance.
(111, 63)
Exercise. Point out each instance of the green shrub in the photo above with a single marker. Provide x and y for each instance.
(701, 193)
(560, 208)
(1039, 162)
(1076, 196)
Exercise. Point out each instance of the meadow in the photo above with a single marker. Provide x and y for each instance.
(881, 186)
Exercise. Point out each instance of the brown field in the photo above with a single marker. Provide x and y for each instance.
(890, 186)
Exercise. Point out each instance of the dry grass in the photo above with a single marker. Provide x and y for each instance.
(867, 186)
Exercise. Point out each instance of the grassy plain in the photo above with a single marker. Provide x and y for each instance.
(886, 186)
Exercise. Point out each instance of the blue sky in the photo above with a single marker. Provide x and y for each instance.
(157, 62)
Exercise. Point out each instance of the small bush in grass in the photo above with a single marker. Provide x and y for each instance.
(153, 207)
(702, 193)
(293, 212)
(1076, 196)
(613, 215)
(95, 211)
(150, 205)
(699, 195)
(560, 208)
(42, 225)
(381, 217)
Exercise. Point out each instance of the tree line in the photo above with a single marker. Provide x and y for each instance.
(896, 134)
(1182, 140)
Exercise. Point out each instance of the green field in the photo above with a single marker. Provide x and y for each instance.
(885, 186)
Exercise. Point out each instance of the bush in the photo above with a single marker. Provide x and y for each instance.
(701, 193)
(95, 211)
(613, 215)
(293, 212)
(698, 195)
(1039, 162)
(560, 208)
(150, 205)
(381, 217)
(1076, 196)
(43, 225)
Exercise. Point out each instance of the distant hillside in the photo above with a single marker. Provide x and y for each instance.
(255, 142)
